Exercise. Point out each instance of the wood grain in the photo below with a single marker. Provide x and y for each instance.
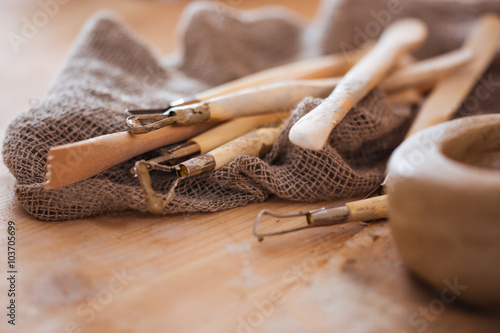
(194, 273)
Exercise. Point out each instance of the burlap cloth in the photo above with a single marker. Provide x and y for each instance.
(110, 69)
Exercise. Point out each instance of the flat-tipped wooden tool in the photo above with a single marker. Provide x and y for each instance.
(401, 37)
(71, 163)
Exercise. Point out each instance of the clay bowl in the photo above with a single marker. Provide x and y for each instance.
(444, 207)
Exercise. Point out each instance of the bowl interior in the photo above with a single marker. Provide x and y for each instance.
(479, 147)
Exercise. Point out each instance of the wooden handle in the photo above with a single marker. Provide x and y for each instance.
(233, 129)
(255, 143)
(368, 209)
(71, 163)
(410, 96)
(319, 67)
(427, 70)
(312, 131)
(450, 92)
(269, 98)
(286, 94)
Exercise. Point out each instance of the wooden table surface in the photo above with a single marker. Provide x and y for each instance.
(192, 273)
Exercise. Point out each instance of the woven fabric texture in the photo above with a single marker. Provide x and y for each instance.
(111, 69)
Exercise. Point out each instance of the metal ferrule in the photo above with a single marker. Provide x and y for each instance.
(328, 216)
(196, 166)
(189, 114)
(179, 115)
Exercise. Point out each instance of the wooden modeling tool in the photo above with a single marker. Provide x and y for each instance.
(101, 153)
(411, 96)
(445, 99)
(451, 91)
(319, 67)
(209, 140)
(70, 163)
(401, 37)
(104, 152)
(281, 94)
(315, 68)
(255, 143)
(428, 70)
(285, 95)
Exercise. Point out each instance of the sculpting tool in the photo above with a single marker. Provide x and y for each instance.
(365, 209)
(104, 152)
(445, 98)
(255, 143)
(318, 67)
(428, 70)
(210, 140)
(294, 90)
(401, 37)
(73, 162)
(286, 94)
